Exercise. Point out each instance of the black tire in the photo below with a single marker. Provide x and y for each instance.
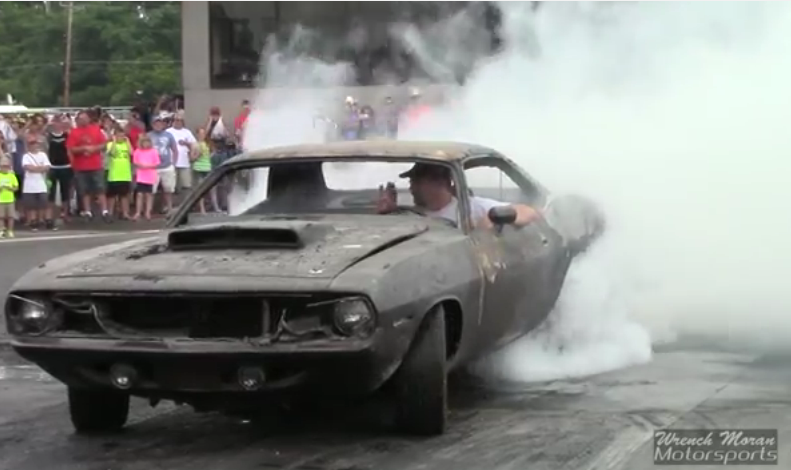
(97, 411)
(421, 383)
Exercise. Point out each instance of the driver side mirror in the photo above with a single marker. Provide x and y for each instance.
(502, 215)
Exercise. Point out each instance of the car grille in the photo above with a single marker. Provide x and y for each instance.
(176, 315)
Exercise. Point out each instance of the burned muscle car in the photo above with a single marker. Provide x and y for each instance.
(305, 287)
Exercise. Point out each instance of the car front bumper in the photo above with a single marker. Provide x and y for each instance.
(167, 368)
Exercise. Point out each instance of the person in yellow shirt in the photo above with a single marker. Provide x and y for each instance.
(119, 173)
(8, 187)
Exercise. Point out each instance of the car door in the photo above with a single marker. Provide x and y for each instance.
(549, 260)
(513, 259)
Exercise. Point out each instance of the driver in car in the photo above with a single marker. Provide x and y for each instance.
(433, 193)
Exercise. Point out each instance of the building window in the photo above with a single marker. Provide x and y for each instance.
(353, 32)
(237, 34)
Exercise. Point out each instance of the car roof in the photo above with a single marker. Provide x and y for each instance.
(441, 151)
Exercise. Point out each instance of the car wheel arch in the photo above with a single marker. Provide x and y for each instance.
(454, 323)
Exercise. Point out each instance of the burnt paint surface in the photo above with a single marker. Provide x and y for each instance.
(424, 263)
(392, 149)
(151, 262)
(403, 281)
(416, 275)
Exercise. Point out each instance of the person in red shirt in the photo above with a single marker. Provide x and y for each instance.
(135, 128)
(241, 120)
(85, 144)
(416, 110)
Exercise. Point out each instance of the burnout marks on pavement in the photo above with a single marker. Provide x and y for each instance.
(581, 424)
(24, 372)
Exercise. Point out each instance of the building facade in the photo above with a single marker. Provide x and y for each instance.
(223, 44)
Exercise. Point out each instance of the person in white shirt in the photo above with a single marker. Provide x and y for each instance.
(432, 191)
(35, 191)
(187, 147)
(10, 135)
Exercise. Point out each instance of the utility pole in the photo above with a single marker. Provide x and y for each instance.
(67, 65)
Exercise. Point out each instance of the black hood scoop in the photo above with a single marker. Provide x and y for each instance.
(252, 235)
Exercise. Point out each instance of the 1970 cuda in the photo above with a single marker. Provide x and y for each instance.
(303, 287)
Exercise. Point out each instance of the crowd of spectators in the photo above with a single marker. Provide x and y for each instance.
(363, 121)
(92, 165)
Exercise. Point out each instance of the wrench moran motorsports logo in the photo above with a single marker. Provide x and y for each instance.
(715, 447)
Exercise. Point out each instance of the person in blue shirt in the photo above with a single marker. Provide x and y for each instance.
(167, 147)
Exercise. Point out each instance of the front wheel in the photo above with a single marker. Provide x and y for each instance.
(97, 411)
(421, 383)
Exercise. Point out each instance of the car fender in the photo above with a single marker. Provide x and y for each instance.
(402, 298)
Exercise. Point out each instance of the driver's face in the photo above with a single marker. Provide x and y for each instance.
(423, 190)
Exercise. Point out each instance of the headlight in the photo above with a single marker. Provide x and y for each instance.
(353, 316)
(30, 315)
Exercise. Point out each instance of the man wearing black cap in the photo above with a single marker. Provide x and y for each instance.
(432, 191)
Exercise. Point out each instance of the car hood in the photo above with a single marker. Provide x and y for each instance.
(282, 249)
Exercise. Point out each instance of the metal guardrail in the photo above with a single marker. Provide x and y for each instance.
(119, 112)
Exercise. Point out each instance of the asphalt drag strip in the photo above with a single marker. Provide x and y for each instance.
(603, 422)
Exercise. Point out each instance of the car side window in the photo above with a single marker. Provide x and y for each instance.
(490, 182)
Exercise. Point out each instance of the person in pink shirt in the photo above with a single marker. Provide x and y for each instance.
(145, 159)
(415, 111)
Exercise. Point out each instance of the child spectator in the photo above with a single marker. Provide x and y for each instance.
(18, 146)
(8, 188)
(146, 160)
(35, 191)
(119, 172)
(201, 167)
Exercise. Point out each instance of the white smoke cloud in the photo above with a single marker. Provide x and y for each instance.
(297, 89)
(302, 86)
(672, 116)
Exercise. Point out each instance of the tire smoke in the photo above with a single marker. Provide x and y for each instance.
(670, 116)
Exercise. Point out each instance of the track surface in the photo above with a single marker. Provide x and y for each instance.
(603, 422)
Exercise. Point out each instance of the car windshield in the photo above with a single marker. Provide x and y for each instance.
(299, 187)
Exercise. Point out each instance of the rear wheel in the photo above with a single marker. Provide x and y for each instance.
(97, 411)
(421, 384)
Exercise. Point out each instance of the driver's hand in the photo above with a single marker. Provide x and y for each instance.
(388, 199)
(484, 223)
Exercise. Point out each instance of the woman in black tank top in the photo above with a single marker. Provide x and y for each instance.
(60, 173)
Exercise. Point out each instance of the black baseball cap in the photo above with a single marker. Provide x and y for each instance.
(423, 170)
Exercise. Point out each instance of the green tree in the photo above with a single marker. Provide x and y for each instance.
(119, 49)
